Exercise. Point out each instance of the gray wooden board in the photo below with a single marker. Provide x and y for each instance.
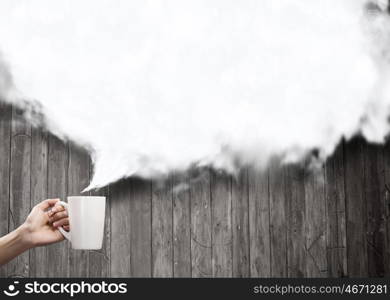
(120, 229)
(278, 219)
(356, 209)
(240, 219)
(259, 223)
(315, 223)
(386, 208)
(100, 260)
(221, 213)
(5, 152)
(162, 230)
(181, 226)
(39, 147)
(296, 221)
(374, 187)
(335, 214)
(201, 254)
(140, 228)
(19, 200)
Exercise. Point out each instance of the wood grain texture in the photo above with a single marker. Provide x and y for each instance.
(278, 220)
(386, 207)
(19, 207)
(78, 179)
(374, 187)
(181, 226)
(296, 221)
(315, 223)
(39, 180)
(57, 258)
(162, 230)
(259, 223)
(356, 209)
(222, 235)
(120, 229)
(240, 219)
(201, 254)
(336, 238)
(5, 154)
(100, 260)
(140, 228)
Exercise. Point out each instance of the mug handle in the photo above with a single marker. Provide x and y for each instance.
(62, 230)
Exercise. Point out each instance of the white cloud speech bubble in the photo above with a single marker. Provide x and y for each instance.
(153, 86)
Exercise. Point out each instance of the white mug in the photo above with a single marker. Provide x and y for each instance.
(86, 221)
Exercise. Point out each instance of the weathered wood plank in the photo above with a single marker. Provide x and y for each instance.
(386, 208)
(259, 225)
(78, 179)
(201, 264)
(221, 211)
(140, 228)
(295, 201)
(374, 187)
(356, 209)
(278, 224)
(120, 229)
(100, 260)
(39, 181)
(181, 226)
(19, 186)
(5, 153)
(315, 220)
(162, 235)
(335, 214)
(240, 219)
(57, 260)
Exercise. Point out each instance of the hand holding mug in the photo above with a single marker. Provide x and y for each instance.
(38, 229)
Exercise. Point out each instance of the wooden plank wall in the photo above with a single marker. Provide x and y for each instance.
(286, 221)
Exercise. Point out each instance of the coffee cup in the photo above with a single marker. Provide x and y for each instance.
(86, 221)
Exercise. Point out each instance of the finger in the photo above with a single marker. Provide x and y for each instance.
(45, 204)
(66, 227)
(58, 216)
(61, 222)
(55, 209)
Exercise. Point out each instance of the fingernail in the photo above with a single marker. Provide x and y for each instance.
(55, 224)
